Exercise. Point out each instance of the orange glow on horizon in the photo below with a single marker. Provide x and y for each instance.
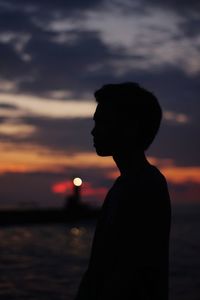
(181, 175)
(36, 158)
(33, 158)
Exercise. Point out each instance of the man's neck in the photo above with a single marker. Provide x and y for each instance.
(131, 162)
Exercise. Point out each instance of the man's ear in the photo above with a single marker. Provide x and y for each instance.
(131, 129)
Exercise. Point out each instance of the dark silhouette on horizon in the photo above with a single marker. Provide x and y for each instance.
(130, 252)
(73, 200)
(73, 210)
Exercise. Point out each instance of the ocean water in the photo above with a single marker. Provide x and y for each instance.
(47, 262)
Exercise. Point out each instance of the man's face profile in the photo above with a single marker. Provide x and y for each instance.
(105, 130)
(111, 133)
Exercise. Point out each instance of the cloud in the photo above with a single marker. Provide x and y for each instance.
(28, 157)
(173, 117)
(156, 36)
(16, 129)
(97, 44)
(7, 86)
(47, 107)
(181, 175)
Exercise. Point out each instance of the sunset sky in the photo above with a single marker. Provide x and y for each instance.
(55, 54)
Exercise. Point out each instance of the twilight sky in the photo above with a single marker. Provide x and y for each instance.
(55, 54)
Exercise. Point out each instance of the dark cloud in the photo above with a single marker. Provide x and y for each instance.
(80, 64)
(65, 135)
(37, 6)
(67, 66)
(82, 5)
(68, 62)
(12, 66)
(190, 26)
(15, 21)
(179, 143)
(8, 106)
(179, 6)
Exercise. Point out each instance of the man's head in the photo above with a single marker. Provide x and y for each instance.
(127, 117)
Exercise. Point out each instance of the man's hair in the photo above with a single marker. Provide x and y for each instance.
(132, 102)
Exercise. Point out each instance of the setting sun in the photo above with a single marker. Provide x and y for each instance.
(77, 181)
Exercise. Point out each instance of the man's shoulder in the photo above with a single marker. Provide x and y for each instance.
(150, 175)
(150, 183)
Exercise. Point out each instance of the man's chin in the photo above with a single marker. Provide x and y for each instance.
(103, 152)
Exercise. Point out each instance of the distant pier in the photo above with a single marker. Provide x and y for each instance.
(74, 210)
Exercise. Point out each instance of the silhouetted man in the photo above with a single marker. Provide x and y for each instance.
(130, 252)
